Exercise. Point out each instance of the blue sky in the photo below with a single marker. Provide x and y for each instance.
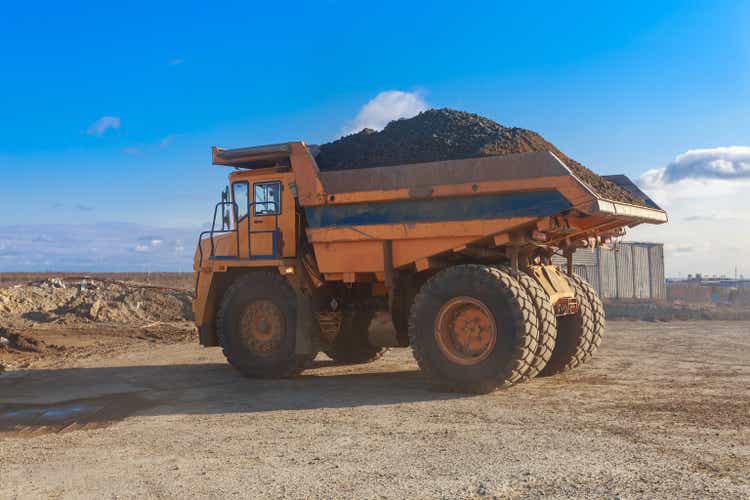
(109, 111)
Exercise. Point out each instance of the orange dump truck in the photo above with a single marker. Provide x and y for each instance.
(458, 252)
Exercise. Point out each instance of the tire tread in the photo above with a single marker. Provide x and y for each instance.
(523, 317)
(268, 281)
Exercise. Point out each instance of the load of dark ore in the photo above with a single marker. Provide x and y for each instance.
(447, 134)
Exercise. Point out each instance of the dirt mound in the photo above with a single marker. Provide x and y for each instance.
(666, 311)
(15, 342)
(447, 134)
(74, 301)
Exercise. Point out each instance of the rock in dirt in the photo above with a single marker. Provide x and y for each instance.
(447, 134)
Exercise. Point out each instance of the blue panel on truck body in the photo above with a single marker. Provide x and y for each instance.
(490, 206)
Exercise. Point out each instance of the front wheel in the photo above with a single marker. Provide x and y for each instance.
(473, 328)
(256, 326)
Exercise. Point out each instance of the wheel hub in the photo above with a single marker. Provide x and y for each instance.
(465, 330)
(262, 327)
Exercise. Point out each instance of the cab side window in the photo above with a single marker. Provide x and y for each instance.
(240, 197)
(267, 198)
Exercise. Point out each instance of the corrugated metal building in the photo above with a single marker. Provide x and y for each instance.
(628, 271)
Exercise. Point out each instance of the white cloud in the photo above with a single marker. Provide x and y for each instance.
(385, 107)
(163, 143)
(700, 174)
(103, 124)
(705, 194)
(110, 246)
(729, 163)
(149, 241)
(168, 140)
(677, 249)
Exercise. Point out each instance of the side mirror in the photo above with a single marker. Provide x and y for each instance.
(226, 222)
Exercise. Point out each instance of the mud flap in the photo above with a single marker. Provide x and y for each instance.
(304, 343)
(207, 336)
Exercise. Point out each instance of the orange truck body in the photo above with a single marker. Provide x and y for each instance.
(362, 227)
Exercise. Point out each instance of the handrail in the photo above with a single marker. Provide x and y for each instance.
(236, 230)
(213, 230)
(235, 209)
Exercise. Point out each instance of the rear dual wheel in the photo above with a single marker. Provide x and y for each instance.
(352, 344)
(597, 316)
(473, 328)
(578, 335)
(547, 324)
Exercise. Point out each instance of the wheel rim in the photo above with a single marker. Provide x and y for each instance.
(262, 327)
(465, 330)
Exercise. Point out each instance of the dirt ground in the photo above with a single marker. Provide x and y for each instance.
(47, 321)
(661, 411)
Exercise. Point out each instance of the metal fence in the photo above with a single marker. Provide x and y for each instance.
(629, 271)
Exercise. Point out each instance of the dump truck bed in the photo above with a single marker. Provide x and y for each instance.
(361, 222)
(525, 172)
(430, 208)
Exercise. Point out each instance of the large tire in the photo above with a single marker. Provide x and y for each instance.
(547, 323)
(574, 335)
(256, 326)
(485, 299)
(597, 313)
(352, 344)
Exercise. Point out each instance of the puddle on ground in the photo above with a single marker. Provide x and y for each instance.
(67, 416)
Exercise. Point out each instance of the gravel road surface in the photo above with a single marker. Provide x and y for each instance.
(661, 411)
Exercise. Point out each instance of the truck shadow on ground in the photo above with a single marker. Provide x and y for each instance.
(67, 399)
